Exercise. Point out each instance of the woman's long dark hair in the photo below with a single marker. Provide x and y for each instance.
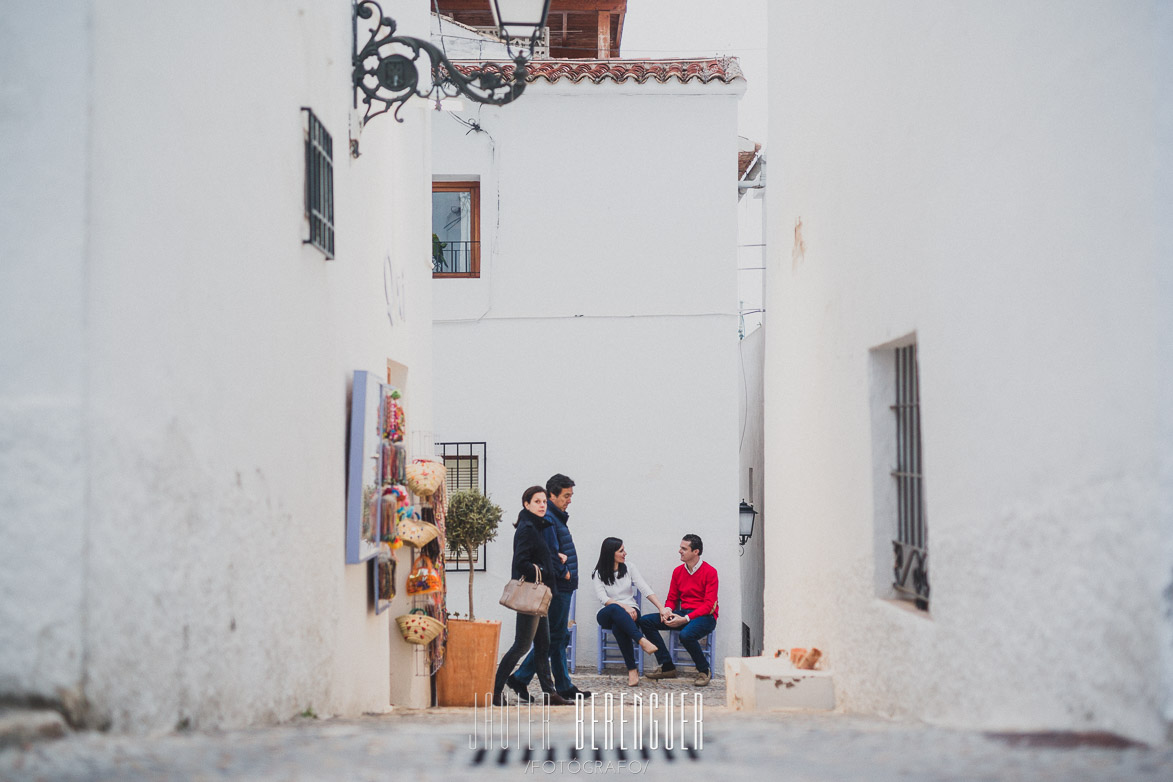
(606, 567)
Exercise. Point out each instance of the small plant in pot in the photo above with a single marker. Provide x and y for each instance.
(471, 657)
(471, 522)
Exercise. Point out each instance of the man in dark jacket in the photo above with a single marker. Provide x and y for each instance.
(559, 491)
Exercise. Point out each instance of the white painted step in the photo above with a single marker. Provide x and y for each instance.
(769, 684)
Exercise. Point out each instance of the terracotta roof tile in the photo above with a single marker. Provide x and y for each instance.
(723, 69)
(744, 159)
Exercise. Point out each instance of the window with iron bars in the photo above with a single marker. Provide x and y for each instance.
(465, 463)
(910, 548)
(319, 184)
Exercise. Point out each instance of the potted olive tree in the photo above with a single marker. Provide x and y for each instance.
(470, 660)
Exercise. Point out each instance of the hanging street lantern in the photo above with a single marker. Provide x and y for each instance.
(746, 516)
(390, 69)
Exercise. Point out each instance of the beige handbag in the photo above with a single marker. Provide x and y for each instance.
(415, 532)
(527, 597)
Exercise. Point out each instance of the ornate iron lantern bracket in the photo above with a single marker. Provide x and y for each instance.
(388, 69)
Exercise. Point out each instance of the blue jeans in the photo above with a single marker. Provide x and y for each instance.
(627, 633)
(559, 615)
(690, 638)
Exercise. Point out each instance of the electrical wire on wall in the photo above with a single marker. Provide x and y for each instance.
(745, 391)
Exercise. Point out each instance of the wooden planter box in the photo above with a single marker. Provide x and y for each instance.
(470, 663)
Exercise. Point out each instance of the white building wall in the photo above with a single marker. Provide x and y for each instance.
(752, 478)
(989, 177)
(43, 152)
(600, 340)
(177, 418)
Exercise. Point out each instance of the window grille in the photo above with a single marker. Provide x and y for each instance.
(319, 185)
(911, 567)
(465, 463)
(456, 229)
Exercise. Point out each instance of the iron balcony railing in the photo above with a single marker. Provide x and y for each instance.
(455, 257)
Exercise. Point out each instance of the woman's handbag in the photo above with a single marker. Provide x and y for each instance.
(417, 533)
(424, 578)
(527, 597)
(425, 477)
(419, 628)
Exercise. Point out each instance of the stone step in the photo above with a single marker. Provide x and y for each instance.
(20, 726)
(769, 683)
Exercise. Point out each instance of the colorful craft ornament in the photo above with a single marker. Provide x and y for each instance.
(400, 493)
(394, 419)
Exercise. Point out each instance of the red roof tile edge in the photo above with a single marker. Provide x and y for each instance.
(723, 69)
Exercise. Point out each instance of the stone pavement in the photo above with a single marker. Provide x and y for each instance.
(435, 744)
(616, 684)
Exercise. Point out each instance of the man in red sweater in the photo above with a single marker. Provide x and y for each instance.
(690, 608)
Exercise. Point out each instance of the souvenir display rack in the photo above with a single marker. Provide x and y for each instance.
(379, 502)
(394, 502)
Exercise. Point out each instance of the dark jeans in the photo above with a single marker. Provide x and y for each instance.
(627, 633)
(690, 637)
(559, 639)
(530, 630)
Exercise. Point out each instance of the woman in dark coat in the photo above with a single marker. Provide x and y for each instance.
(530, 549)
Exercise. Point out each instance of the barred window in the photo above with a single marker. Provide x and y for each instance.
(911, 567)
(466, 470)
(319, 184)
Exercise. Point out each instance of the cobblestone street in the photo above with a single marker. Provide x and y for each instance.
(435, 744)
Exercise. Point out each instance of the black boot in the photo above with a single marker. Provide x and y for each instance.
(547, 683)
(523, 695)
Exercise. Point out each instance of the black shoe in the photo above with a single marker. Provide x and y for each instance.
(573, 691)
(522, 691)
(498, 699)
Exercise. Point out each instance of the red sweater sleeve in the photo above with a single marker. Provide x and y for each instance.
(673, 598)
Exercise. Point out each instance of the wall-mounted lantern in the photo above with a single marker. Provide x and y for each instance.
(388, 70)
(746, 516)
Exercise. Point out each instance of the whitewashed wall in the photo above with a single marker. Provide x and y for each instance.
(173, 409)
(991, 178)
(601, 338)
(752, 478)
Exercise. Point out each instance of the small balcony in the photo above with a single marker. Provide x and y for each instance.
(455, 259)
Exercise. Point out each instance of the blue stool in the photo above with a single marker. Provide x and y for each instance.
(609, 651)
(680, 656)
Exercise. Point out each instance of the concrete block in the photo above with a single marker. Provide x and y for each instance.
(768, 684)
(24, 726)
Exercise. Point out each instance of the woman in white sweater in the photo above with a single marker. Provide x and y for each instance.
(615, 584)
